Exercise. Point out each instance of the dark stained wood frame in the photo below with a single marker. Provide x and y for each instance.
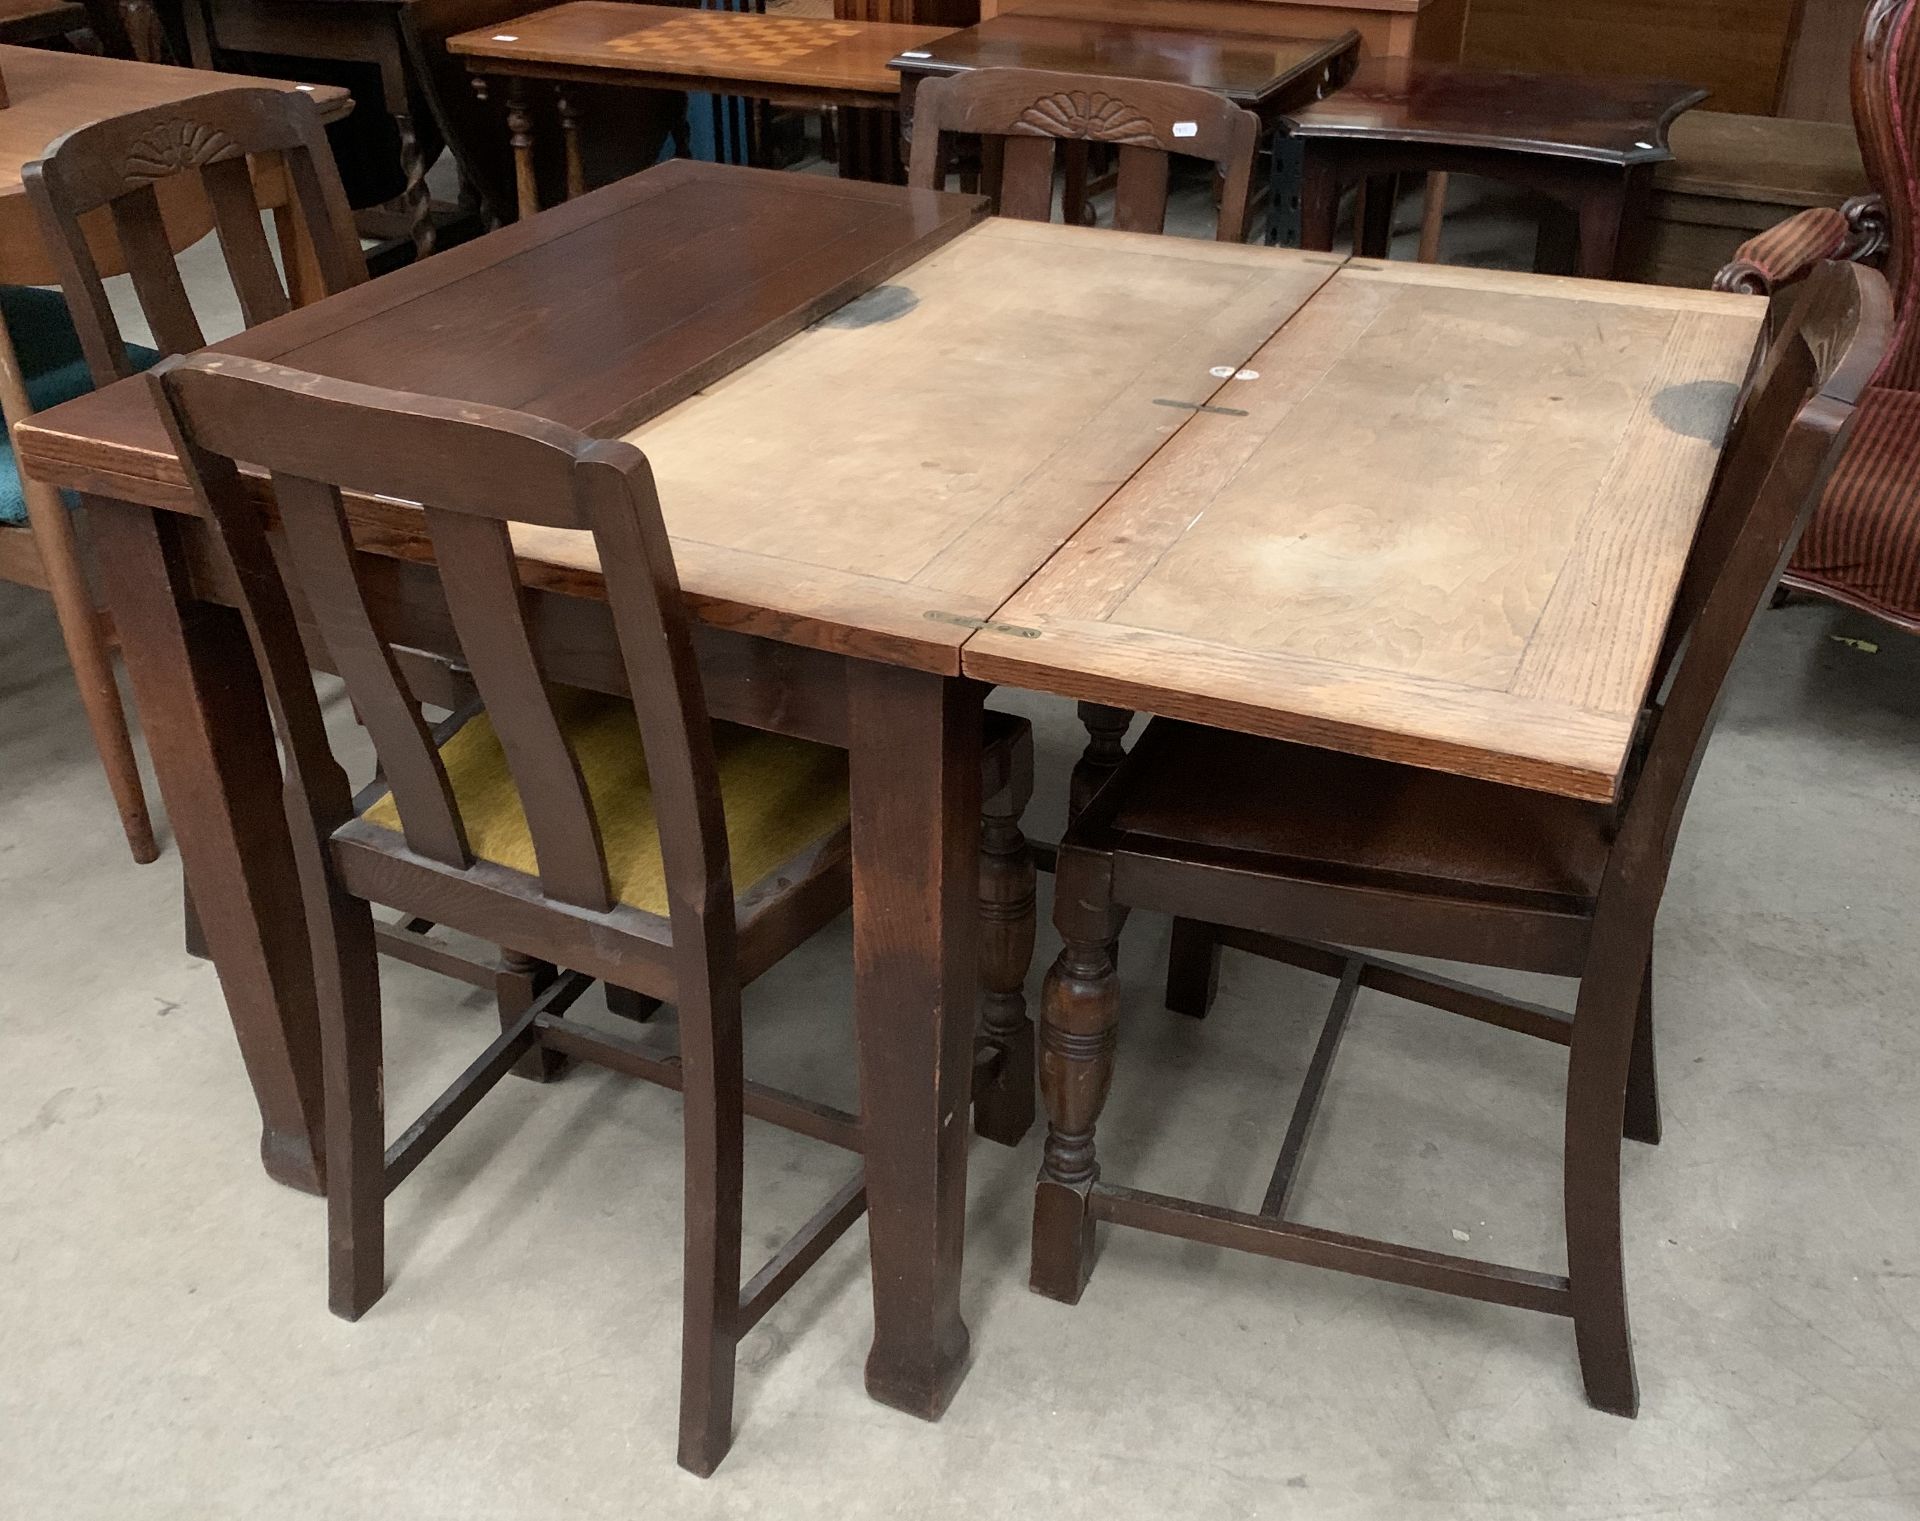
(478, 470)
(1786, 436)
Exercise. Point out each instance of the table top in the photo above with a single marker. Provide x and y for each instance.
(670, 41)
(1621, 121)
(51, 94)
(1443, 522)
(1441, 518)
(1250, 70)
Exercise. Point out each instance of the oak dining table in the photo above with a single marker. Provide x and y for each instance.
(1108, 466)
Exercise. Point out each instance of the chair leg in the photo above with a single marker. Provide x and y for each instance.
(347, 994)
(193, 937)
(1643, 1077)
(711, 1056)
(518, 981)
(1603, 1034)
(1193, 968)
(631, 1005)
(86, 643)
(1106, 748)
(1003, 1098)
(1079, 1017)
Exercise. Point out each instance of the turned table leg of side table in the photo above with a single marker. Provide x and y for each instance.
(526, 184)
(569, 109)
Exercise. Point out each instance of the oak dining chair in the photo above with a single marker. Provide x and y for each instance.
(108, 172)
(634, 841)
(64, 348)
(116, 163)
(1022, 115)
(1330, 861)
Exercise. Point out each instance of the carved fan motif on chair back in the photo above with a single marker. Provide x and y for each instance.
(1087, 114)
(175, 145)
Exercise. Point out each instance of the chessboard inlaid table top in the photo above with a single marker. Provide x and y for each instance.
(673, 43)
(1441, 520)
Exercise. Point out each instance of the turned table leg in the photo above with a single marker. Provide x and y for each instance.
(569, 109)
(1106, 747)
(520, 136)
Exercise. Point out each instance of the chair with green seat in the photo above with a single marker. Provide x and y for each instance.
(41, 365)
(629, 838)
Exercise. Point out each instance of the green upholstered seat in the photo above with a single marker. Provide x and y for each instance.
(54, 369)
(780, 795)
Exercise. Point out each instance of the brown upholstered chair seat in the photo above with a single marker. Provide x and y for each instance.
(1314, 815)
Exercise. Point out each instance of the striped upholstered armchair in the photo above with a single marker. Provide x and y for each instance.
(1863, 545)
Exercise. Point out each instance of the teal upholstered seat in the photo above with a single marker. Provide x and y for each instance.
(53, 366)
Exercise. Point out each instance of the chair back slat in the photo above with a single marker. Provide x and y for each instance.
(1145, 120)
(475, 556)
(643, 590)
(219, 139)
(236, 218)
(474, 471)
(1140, 191)
(320, 546)
(156, 278)
(1787, 437)
(1026, 179)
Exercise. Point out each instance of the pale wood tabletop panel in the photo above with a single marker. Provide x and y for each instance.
(1444, 524)
(985, 402)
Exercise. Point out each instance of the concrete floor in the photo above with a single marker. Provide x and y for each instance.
(168, 1351)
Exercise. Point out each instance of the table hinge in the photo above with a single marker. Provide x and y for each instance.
(985, 625)
(1198, 406)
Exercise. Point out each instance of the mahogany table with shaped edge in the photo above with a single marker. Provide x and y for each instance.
(806, 61)
(1434, 29)
(1588, 144)
(839, 618)
(1263, 74)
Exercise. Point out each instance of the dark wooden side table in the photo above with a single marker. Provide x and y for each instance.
(1589, 145)
(790, 60)
(1269, 76)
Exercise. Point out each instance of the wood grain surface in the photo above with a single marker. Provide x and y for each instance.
(988, 401)
(1444, 525)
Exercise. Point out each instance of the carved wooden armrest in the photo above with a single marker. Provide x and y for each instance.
(1787, 252)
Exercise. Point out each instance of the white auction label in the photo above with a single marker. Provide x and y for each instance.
(1186, 129)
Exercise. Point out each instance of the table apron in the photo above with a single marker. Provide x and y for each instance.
(749, 679)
